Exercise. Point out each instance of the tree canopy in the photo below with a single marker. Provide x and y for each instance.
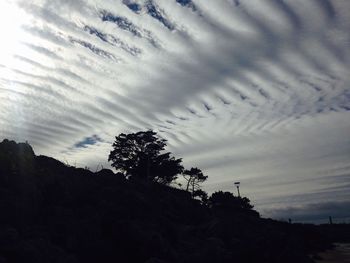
(194, 177)
(141, 155)
(228, 200)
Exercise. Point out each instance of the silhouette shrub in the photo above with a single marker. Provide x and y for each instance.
(50, 212)
(140, 155)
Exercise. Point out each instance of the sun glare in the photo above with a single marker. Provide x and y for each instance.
(11, 20)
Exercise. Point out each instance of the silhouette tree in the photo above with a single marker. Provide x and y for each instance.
(140, 155)
(228, 200)
(165, 168)
(194, 177)
(202, 195)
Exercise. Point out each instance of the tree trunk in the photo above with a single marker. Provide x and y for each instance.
(188, 183)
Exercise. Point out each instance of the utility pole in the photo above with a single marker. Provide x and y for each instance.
(237, 185)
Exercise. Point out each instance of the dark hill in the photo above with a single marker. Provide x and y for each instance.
(50, 212)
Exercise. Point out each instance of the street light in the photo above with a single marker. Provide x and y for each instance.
(237, 185)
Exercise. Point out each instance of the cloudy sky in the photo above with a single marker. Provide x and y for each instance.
(256, 91)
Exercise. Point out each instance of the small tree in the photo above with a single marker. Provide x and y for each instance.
(139, 155)
(166, 168)
(228, 200)
(194, 177)
(203, 196)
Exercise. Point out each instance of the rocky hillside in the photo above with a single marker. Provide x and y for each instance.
(50, 212)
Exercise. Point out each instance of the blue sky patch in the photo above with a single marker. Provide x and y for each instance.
(135, 7)
(88, 141)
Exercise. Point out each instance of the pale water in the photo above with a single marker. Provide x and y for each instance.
(340, 254)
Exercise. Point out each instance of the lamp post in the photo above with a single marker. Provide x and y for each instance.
(237, 185)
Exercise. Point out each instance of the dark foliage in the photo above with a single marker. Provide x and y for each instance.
(229, 201)
(194, 177)
(50, 212)
(140, 155)
(202, 195)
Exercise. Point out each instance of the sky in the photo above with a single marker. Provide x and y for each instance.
(256, 91)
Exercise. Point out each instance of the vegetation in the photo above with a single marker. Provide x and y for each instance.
(139, 155)
(50, 212)
(229, 201)
(194, 177)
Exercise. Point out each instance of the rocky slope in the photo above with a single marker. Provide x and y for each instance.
(50, 212)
